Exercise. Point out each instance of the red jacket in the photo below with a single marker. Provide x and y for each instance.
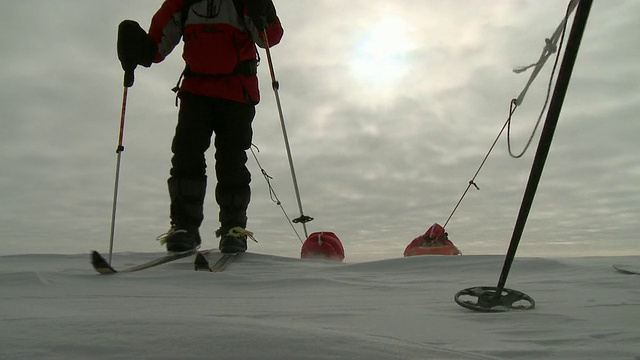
(217, 39)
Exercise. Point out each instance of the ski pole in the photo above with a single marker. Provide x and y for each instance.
(128, 82)
(557, 100)
(275, 85)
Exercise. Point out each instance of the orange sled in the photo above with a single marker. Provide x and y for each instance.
(434, 242)
(448, 249)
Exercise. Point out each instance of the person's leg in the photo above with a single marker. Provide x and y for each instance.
(188, 181)
(233, 193)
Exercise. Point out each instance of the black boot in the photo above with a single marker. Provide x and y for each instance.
(179, 240)
(234, 240)
(233, 202)
(187, 199)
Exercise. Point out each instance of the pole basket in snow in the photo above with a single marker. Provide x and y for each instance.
(490, 299)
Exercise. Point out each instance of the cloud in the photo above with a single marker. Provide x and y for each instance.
(376, 164)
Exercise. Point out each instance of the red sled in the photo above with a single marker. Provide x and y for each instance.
(322, 245)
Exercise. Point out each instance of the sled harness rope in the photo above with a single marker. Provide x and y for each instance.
(551, 46)
(272, 192)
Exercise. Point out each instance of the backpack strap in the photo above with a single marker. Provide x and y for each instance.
(185, 12)
(239, 5)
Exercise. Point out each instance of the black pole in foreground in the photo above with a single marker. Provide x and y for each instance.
(490, 299)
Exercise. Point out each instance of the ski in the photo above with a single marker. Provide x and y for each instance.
(102, 266)
(224, 261)
(202, 264)
(630, 270)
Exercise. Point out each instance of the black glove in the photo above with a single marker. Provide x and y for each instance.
(261, 13)
(135, 47)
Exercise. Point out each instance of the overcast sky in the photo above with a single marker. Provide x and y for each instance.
(390, 108)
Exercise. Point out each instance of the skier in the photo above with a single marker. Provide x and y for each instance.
(218, 94)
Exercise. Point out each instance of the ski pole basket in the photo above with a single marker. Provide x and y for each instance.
(489, 299)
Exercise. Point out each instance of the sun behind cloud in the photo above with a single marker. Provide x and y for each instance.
(380, 54)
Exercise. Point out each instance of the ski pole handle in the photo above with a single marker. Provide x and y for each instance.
(128, 78)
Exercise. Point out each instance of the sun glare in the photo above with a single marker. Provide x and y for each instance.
(380, 54)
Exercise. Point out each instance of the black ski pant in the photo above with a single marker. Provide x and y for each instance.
(201, 118)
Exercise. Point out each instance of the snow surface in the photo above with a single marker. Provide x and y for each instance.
(269, 307)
